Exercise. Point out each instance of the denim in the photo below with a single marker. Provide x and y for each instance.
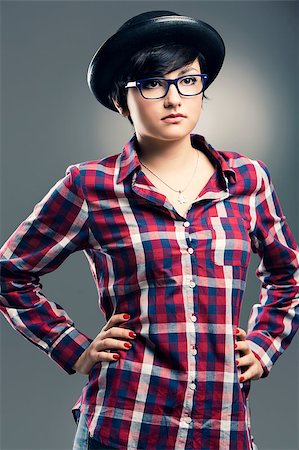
(83, 441)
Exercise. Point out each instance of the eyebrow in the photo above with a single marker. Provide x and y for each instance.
(186, 70)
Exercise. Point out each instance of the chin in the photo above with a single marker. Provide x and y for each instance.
(167, 133)
(172, 132)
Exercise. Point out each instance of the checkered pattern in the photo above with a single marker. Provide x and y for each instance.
(181, 280)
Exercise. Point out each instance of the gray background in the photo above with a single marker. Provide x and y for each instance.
(51, 120)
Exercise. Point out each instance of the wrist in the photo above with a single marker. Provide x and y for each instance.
(80, 364)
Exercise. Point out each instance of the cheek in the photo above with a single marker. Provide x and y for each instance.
(138, 110)
(195, 108)
(198, 105)
(143, 114)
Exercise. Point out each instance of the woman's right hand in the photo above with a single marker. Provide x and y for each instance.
(111, 337)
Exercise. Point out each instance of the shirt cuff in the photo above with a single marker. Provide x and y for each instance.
(68, 348)
(261, 354)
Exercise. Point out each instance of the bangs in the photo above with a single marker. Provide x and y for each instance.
(162, 59)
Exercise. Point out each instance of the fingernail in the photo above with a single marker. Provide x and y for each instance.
(237, 362)
(132, 334)
(116, 356)
(237, 330)
(236, 346)
(126, 344)
(242, 379)
(126, 316)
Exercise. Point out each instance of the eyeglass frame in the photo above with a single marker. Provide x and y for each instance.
(169, 81)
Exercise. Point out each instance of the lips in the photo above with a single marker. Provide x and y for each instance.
(173, 116)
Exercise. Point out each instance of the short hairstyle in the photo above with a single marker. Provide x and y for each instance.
(154, 61)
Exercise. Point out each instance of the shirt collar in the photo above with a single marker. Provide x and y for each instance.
(129, 160)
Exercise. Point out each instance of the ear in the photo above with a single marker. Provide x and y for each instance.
(122, 111)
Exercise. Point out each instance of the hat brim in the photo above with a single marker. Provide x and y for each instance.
(115, 52)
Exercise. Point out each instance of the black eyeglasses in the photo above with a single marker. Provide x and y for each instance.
(154, 88)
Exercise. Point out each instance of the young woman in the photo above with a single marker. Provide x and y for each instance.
(167, 226)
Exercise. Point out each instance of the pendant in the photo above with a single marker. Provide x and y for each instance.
(182, 198)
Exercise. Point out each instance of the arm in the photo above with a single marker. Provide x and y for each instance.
(57, 227)
(274, 321)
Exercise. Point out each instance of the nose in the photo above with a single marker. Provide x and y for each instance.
(173, 96)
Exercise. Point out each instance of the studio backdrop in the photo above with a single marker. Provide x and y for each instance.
(51, 120)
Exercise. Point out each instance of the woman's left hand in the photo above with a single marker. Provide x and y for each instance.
(254, 368)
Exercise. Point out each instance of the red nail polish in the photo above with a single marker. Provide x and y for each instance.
(127, 345)
(241, 379)
(126, 316)
(237, 362)
(236, 346)
(237, 330)
(132, 334)
(116, 356)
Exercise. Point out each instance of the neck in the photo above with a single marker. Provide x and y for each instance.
(161, 154)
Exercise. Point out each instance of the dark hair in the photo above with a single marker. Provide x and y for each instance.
(154, 61)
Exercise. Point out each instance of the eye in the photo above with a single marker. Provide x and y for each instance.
(189, 80)
(151, 84)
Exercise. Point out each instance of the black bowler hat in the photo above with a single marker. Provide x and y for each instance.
(146, 29)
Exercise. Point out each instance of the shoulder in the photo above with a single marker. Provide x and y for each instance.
(84, 176)
(93, 171)
(98, 167)
(245, 167)
(239, 160)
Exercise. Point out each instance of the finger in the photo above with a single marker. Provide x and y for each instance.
(101, 354)
(247, 360)
(252, 373)
(115, 319)
(241, 334)
(119, 333)
(242, 346)
(110, 343)
(104, 356)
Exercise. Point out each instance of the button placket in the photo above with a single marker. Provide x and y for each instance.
(187, 224)
(191, 284)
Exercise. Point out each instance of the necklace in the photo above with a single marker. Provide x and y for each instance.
(181, 197)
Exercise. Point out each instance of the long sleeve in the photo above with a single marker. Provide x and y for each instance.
(274, 321)
(57, 227)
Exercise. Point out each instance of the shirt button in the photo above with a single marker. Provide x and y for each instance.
(186, 224)
(194, 352)
(192, 284)
(193, 318)
(190, 250)
(192, 386)
(188, 419)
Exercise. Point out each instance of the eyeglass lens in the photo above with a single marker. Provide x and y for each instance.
(155, 88)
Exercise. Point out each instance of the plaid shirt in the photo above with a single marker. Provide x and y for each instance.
(181, 280)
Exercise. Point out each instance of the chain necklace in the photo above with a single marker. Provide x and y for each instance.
(181, 197)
